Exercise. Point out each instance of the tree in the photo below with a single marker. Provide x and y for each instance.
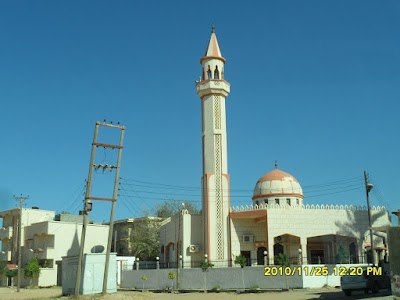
(205, 265)
(142, 239)
(170, 208)
(32, 269)
(342, 256)
(241, 260)
(282, 260)
(172, 276)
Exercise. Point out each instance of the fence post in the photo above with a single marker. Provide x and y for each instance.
(157, 262)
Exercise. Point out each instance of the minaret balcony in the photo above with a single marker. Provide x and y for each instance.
(207, 87)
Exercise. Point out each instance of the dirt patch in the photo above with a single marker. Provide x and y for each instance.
(55, 293)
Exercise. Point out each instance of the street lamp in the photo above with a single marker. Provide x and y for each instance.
(137, 263)
(368, 187)
(265, 257)
(300, 257)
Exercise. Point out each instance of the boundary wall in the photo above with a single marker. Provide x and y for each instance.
(231, 278)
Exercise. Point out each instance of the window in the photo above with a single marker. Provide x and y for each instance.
(266, 201)
(288, 201)
(208, 73)
(257, 203)
(46, 263)
(216, 73)
(276, 200)
(297, 201)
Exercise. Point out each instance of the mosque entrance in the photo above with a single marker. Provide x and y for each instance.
(260, 255)
(278, 248)
(317, 256)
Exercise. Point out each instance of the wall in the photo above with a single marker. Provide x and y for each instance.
(196, 279)
(93, 273)
(190, 229)
(242, 227)
(66, 238)
(231, 278)
(394, 260)
(10, 219)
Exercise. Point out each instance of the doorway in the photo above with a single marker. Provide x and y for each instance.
(247, 255)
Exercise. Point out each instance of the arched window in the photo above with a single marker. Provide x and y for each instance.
(209, 73)
(203, 75)
(216, 73)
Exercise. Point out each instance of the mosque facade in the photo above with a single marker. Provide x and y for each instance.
(276, 220)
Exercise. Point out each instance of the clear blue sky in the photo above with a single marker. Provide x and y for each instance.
(314, 85)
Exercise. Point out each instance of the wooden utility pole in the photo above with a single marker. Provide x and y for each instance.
(368, 188)
(21, 199)
(87, 207)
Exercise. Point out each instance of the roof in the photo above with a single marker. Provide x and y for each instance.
(276, 175)
(277, 183)
(213, 50)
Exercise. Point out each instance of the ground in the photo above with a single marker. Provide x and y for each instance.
(301, 294)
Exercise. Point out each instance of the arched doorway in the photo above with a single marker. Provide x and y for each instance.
(278, 248)
(260, 255)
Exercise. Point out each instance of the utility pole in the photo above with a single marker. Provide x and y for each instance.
(87, 207)
(368, 188)
(21, 199)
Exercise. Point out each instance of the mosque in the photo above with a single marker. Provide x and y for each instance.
(277, 220)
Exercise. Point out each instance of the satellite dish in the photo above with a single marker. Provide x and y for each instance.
(97, 249)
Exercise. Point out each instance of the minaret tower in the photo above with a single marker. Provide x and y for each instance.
(213, 89)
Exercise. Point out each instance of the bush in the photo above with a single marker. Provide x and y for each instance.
(240, 260)
(32, 269)
(205, 266)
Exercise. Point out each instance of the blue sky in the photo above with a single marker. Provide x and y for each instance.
(314, 85)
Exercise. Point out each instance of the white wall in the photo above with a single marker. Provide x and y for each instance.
(66, 243)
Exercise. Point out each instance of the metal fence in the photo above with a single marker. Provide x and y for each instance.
(146, 265)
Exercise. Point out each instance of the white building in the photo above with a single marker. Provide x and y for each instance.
(278, 220)
(47, 240)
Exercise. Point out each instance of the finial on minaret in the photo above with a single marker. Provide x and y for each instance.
(276, 165)
(212, 28)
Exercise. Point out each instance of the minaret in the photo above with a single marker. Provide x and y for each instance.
(213, 89)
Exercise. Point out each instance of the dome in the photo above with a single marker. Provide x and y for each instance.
(277, 183)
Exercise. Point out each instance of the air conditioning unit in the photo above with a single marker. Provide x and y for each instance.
(247, 238)
(194, 248)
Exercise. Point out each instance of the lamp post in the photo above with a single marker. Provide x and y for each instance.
(137, 263)
(300, 257)
(265, 257)
(157, 262)
(368, 188)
